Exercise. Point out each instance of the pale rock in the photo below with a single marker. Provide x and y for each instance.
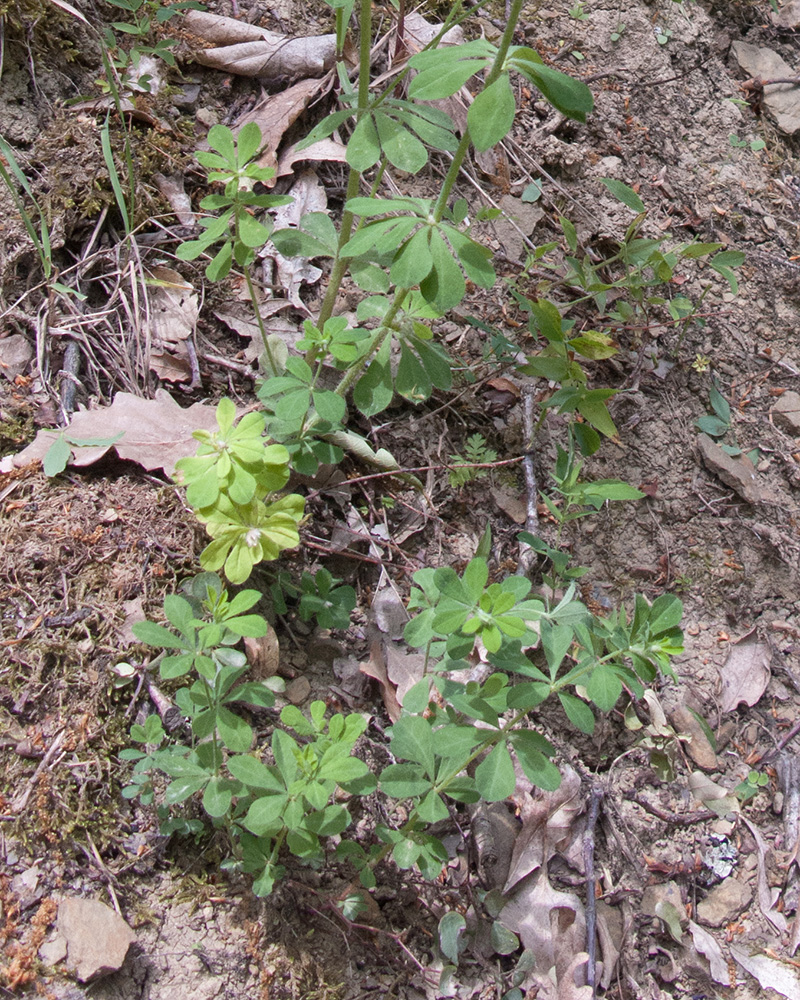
(96, 938)
(788, 16)
(298, 690)
(786, 413)
(724, 903)
(738, 473)
(783, 99)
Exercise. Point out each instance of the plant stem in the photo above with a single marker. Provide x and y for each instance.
(354, 178)
(259, 319)
(463, 146)
(384, 330)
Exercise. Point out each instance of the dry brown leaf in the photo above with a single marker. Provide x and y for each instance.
(770, 973)
(172, 310)
(275, 114)
(519, 219)
(389, 610)
(611, 934)
(713, 796)
(375, 667)
(746, 673)
(404, 668)
(550, 923)
(566, 988)
(172, 366)
(263, 655)
(548, 825)
(247, 50)
(294, 272)
(767, 897)
(706, 944)
(241, 321)
(156, 432)
(324, 151)
(15, 353)
(171, 189)
(308, 195)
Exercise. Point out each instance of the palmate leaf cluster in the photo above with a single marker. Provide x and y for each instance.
(234, 230)
(232, 483)
(296, 798)
(537, 650)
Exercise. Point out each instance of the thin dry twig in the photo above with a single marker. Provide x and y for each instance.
(527, 554)
(591, 902)
(676, 819)
(412, 472)
(20, 803)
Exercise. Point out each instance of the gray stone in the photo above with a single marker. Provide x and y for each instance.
(738, 473)
(782, 99)
(788, 16)
(724, 903)
(96, 937)
(786, 413)
(298, 690)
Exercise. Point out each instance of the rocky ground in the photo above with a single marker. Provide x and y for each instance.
(697, 886)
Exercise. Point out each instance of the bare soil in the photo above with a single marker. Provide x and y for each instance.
(85, 555)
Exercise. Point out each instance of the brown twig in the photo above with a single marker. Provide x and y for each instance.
(766, 757)
(591, 902)
(527, 554)
(677, 819)
(21, 801)
(413, 472)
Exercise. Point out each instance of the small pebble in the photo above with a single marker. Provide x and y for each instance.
(298, 690)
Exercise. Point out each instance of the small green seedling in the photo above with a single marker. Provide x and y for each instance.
(718, 423)
(751, 786)
(475, 451)
(754, 145)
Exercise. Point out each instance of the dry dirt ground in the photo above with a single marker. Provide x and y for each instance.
(84, 555)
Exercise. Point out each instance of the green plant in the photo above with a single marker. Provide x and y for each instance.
(751, 786)
(145, 16)
(718, 423)
(578, 11)
(455, 937)
(476, 452)
(235, 233)
(58, 454)
(323, 599)
(412, 257)
(629, 289)
(36, 221)
(260, 806)
(232, 483)
(618, 32)
(754, 145)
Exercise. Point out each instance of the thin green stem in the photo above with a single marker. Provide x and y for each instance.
(273, 364)
(384, 330)
(354, 178)
(463, 146)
